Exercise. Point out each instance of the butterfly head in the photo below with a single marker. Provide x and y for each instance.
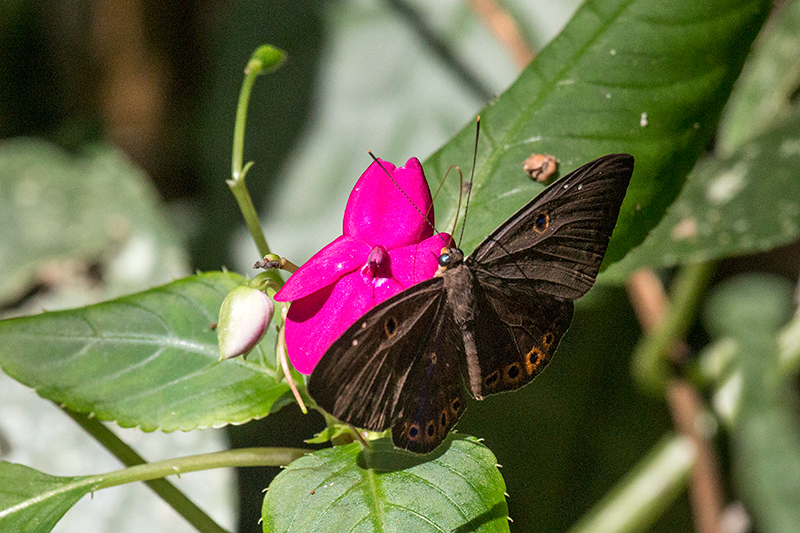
(449, 258)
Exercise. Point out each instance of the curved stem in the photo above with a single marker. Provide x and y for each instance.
(153, 473)
(205, 461)
(128, 456)
(265, 59)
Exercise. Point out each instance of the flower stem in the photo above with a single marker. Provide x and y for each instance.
(165, 489)
(650, 358)
(153, 473)
(265, 59)
(205, 461)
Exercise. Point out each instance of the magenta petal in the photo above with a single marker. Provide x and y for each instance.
(418, 262)
(342, 256)
(379, 212)
(385, 288)
(315, 321)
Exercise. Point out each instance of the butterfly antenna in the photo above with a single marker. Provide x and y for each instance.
(458, 205)
(471, 178)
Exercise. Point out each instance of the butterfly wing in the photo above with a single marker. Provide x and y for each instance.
(557, 241)
(399, 367)
(527, 272)
(516, 332)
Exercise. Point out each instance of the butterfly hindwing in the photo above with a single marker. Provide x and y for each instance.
(517, 330)
(558, 240)
(434, 400)
(397, 366)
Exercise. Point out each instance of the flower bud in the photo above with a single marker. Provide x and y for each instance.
(243, 320)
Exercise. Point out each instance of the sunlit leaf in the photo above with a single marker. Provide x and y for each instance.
(33, 502)
(643, 77)
(147, 360)
(345, 489)
(743, 204)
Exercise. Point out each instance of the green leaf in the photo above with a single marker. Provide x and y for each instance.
(765, 437)
(55, 206)
(147, 360)
(768, 82)
(742, 204)
(766, 457)
(33, 502)
(459, 489)
(640, 76)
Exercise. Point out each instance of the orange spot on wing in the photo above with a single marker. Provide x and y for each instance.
(533, 360)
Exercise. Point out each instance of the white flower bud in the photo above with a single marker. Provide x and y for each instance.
(243, 320)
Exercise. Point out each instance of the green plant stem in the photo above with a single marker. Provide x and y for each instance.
(153, 473)
(165, 489)
(248, 210)
(647, 491)
(265, 59)
(205, 461)
(650, 358)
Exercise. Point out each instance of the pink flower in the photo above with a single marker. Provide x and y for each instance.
(387, 246)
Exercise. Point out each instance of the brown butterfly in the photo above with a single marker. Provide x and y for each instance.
(490, 321)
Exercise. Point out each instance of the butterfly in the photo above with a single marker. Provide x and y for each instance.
(488, 322)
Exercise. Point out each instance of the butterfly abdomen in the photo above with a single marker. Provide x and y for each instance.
(458, 283)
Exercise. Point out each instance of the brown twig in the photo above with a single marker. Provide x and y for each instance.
(502, 24)
(686, 407)
(647, 298)
(651, 306)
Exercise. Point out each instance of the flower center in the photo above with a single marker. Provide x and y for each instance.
(378, 265)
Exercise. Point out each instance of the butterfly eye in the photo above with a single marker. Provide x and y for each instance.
(541, 222)
(445, 260)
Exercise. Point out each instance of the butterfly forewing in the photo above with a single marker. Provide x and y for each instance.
(558, 240)
(399, 362)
